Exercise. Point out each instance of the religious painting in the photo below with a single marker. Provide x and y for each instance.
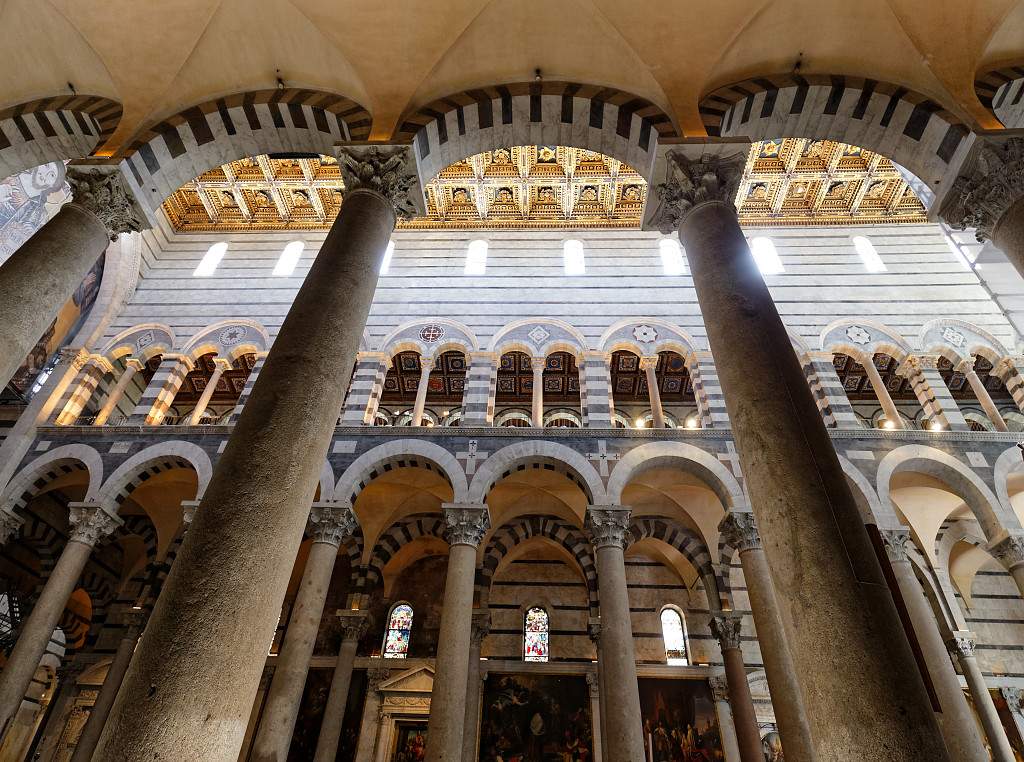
(680, 724)
(1009, 725)
(536, 718)
(410, 742)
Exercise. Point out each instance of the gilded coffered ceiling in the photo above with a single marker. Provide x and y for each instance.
(785, 182)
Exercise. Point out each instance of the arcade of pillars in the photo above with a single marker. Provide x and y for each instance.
(818, 578)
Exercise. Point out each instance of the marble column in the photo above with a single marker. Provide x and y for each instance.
(354, 626)
(465, 526)
(961, 645)
(481, 627)
(329, 526)
(860, 682)
(190, 687)
(982, 395)
(594, 632)
(426, 365)
(131, 367)
(739, 529)
(956, 721)
(1009, 551)
(111, 684)
(884, 398)
(594, 689)
(82, 392)
(220, 365)
(726, 727)
(608, 526)
(537, 364)
(43, 273)
(649, 365)
(89, 524)
(727, 628)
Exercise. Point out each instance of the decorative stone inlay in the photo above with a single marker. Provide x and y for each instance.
(727, 628)
(739, 529)
(961, 644)
(993, 182)
(465, 524)
(1009, 551)
(331, 523)
(608, 526)
(645, 333)
(232, 335)
(9, 525)
(858, 334)
(90, 523)
(354, 624)
(693, 181)
(432, 333)
(719, 687)
(538, 335)
(895, 541)
(105, 194)
(481, 627)
(953, 336)
(145, 339)
(387, 170)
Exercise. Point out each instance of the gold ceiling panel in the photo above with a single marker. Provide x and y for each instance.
(785, 182)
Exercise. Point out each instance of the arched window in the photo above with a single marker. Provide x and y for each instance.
(535, 638)
(572, 256)
(396, 639)
(289, 258)
(766, 256)
(868, 255)
(476, 258)
(385, 263)
(673, 630)
(671, 257)
(208, 264)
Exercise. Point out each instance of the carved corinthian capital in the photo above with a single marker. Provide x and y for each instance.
(90, 522)
(481, 627)
(465, 524)
(608, 526)
(103, 192)
(1009, 551)
(387, 170)
(739, 529)
(895, 542)
(9, 525)
(354, 624)
(727, 628)
(992, 183)
(962, 644)
(332, 523)
(719, 687)
(691, 180)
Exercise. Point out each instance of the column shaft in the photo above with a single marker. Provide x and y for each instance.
(727, 628)
(986, 400)
(998, 742)
(426, 363)
(538, 363)
(884, 398)
(189, 689)
(337, 700)
(650, 365)
(130, 369)
(204, 398)
(472, 723)
(1008, 233)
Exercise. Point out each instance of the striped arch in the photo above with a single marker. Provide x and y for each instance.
(393, 540)
(508, 536)
(34, 477)
(557, 336)
(862, 339)
(54, 129)
(958, 340)
(1001, 90)
(456, 337)
(149, 462)
(183, 146)
(228, 339)
(143, 341)
(907, 127)
(701, 463)
(402, 453)
(692, 548)
(537, 454)
(634, 335)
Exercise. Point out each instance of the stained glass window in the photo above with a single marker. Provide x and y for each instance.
(535, 641)
(396, 641)
(673, 630)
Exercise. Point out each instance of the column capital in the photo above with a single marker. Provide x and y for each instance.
(10, 523)
(177, 357)
(727, 628)
(593, 684)
(992, 182)
(481, 627)
(739, 529)
(91, 522)
(103, 191)
(188, 511)
(1005, 366)
(914, 364)
(222, 363)
(719, 687)
(134, 363)
(331, 523)
(694, 176)
(538, 363)
(1014, 699)
(76, 357)
(100, 362)
(465, 523)
(594, 630)
(375, 676)
(649, 362)
(961, 644)
(354, 623)
(895, 541)
(608, 525)
(965, 366)
(821, 355)
(386, 170)
(1008, 550)
(597, 354)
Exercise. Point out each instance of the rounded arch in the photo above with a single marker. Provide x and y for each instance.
(999, 87)
(690, 458)
(175, 150)
(228, 338)
(863, 339)
(960, 339)
(643, 337)
(153, 460)
(538, 337)
(690, 545)
(1009, 462)
(399, 535)
(31, 479)
(517, 456)
(422, 336)
(967, 485)
(873, 511)
(399, 453)
(907, 127)
(144, 341)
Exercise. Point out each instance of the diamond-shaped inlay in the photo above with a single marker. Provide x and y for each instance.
(858, 334)
(538, 335)
(953, 336)
(645, 333)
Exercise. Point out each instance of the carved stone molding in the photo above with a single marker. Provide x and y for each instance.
(387, 170)
(649, 362)
(728, 629)
(992, 183)
(608, 526)
(465, 524)
(962, 644)
(76, 357)
(90, 523)
(188, 511)
(895, 542)
(739, 529)
(9, 525)
(1009, 551)
(375, 676)
(104, 193)
(1014, 699)
(719, 687)
(481, 627)
(692, 181)
(331, 523)
(594, 631)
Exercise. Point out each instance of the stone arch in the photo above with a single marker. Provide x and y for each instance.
(862, 339)
(1010, 461)
(991, 515)
(410, 337)
(911, 129)
(326, 483)
(690, 545)
(960, 339)
(150, 461)
(642, 337)
(877, 513)
(143, 341)
(539, 453)
(538, 337)
(508, 536)
(1000, 89)
(54, 129)
(31, 479)
(401, 453)
(618, 124)
(179, 148)
(229, 339)
(392, 540)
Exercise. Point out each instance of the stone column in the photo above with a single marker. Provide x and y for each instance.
(131, 367)
(329, 526)
(624, 741)
(354, 626)
(932, 393)
(860, 683)
(955, 718)
(594, 631)
(364, 392)
(726, 727)
(649, 365)
(739, 529)
(537, 364)
(369, 726)
(884, 398)
(1007, 370)
(250, 382)
(465, 526)
(220, 366)
(981, 393)
(595, 376)
(961, 645)
(111, 684)
(81, 393)
(45, 271)
(726, 628)
(594, 689)
(481, 626)
(60, 709)
(89, 524)
(159, 394)
(1009, 551)
(829, 393)
(426, 365)
(481, 387)
(190, 687)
